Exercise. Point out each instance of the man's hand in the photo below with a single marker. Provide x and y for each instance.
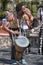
(32, 30)
(16, 32)
(26, 10)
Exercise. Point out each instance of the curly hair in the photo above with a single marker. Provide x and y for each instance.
(19, 6)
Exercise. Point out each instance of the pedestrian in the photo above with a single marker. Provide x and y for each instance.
(40, 19)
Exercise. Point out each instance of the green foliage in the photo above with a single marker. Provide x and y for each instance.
(29, 5)
(2, 14)
(0, 0)
(33, 7)
(4, 3)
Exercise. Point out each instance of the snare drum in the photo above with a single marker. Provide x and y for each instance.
(21, 43)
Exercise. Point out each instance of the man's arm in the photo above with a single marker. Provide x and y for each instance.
(27, 20)
(27, 12)
(5, 26)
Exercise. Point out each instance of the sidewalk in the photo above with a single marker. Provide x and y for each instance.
(3, 32)
(4, 39)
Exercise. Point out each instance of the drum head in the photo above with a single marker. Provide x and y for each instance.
(22, 41)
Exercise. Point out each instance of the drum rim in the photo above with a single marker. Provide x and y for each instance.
(22, 37)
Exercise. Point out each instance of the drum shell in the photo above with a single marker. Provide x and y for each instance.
(18, 55)
(21, 44)
(19, 49)
(19, 52)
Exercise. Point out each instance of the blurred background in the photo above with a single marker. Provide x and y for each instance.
(11, 4)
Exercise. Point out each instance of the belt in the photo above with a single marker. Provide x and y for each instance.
(13, 28)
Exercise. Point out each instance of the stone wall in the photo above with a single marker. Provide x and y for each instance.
(5, 42)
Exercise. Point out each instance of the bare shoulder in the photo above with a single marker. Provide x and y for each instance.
(6, 23)
(25, 15)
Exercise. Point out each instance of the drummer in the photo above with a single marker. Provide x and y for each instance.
(6, 26)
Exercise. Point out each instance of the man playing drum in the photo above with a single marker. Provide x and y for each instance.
(40, 19)
(6, 25)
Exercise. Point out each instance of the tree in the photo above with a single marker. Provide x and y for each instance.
(2, 12)
(4, 3)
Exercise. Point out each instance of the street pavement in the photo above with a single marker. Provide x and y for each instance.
(5, 54)
(31, 59)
